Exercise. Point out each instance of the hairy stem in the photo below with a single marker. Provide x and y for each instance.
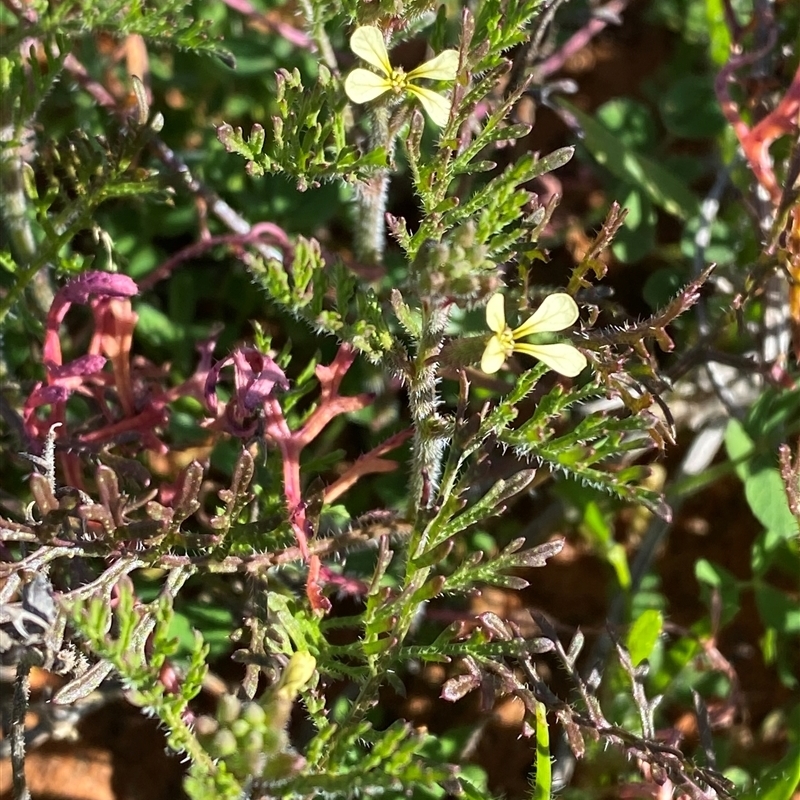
(370, 222)
(320, 37)
(19, 707)
(428, 442)
(16, 149)
(15, 216)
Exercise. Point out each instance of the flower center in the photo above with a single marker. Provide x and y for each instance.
(506, 339)
(398, 80)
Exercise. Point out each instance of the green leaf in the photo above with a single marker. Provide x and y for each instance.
(156, 328)
(719, 578)
(718, 32)
(215, 624)
(643, 635)
(780, 782)
(661, 286)
(630, 121)
(689, 108)
(723, 245)
(766, 496)
(661, 186)
(777, 609)
(252, 57)
(596, 522)
(773, 416)
(763, 484)
(618, 558)
(637, 237)
(740, 447)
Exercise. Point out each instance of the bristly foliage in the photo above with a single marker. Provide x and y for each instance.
(275, 537)
(308, 137)
(163, 22)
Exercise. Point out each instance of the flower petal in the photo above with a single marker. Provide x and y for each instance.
(361, 85)
(367, 43)
(496, 313)
(97, 284)
(442, 68)
(436, 106)
(79, 367)
(494, 355)
(558, 311)
(561, 357)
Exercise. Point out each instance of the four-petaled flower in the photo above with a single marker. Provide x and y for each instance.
(558, 311)
(361, 85)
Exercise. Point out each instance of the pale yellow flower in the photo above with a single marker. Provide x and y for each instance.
(558, 311)
(362, 85)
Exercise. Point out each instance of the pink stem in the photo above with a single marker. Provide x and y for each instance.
(291, 34)
(579, 39)
(259, 231)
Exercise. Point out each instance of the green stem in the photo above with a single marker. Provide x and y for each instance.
(22, 281)
(182, 739)
(15, 208)
(366, 699)
(58, 233)
(16, 218)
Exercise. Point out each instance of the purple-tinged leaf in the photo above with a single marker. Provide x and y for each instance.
(186, 502)
(495, 626)
(509, 582)
(573, 731)
(455, 688)
(158, 512)
(537, 556)
(84, 685)
(42, 493)
(107, 487)
(98, 513)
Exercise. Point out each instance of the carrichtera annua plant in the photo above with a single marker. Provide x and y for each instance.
(432, 323)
